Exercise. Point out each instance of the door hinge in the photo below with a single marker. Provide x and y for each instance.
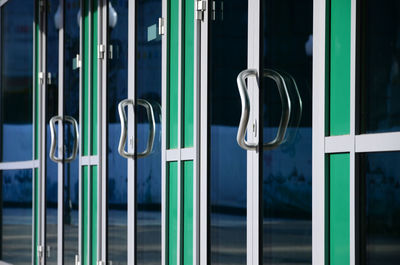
(77, 262)
(76, 62)
(40, 251)
(102, 50)
(100, 262)
(200, 8)
(41, 77)
(161, 26)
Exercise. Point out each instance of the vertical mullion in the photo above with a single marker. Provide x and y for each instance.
(203, 146)
(320, 26)
(131, 134)
(253, 170)
(81, 141)
(60, 166)
(352, 199)
(164, 82)
(43, 130)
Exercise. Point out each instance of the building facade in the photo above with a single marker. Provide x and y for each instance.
(196, 132)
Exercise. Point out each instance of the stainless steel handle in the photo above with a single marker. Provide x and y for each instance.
(53, 139)
(124, 127)
(54, 142)
(244, 119)
(76, 141)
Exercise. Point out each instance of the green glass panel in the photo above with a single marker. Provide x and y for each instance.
(85, 215)
(94, 104)
(187, 212)
(172, 104)
(188, 75)
(93, 211)
(340, 67)
(339, 209)
(172, 212)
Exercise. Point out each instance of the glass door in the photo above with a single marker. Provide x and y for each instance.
(61, 79)
(259, 134)
(134, 132)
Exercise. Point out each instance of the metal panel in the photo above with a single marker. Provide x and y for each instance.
(19, 165)
(318, 132)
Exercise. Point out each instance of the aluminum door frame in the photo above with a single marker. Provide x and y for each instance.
(318, 138)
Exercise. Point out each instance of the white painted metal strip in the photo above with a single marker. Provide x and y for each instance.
(318, 132)
(19, 165)
(188, 153)
(339, 144)
(378, 142)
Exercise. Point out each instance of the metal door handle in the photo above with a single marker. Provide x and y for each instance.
(244, 119)
(124, 127)
(54, 142)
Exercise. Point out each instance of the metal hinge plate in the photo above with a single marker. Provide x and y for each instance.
(41, 77)
(102, 50)
(200, 8)
(161, 26)
(40, 251)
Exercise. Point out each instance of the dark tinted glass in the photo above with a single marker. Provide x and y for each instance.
(54, 10)
(71, 94)
(117, 188)
(286, 170)
(379, 185)
(227, 161)
(379, 66)
(16, 81)
(148, 169)
(16, 217)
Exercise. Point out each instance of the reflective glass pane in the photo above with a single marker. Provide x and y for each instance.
(379, 66)
(71, 94)
(16, 81)
(16, 217)
(286, 169)
(227, 161)
(379, 185)
(148, 89)
(117, 165)
(51, 111)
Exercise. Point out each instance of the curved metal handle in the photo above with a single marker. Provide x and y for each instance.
(75, 147)
(286, 108)
(124, 127)
(53, 139)
(244, 119)
(54, 142)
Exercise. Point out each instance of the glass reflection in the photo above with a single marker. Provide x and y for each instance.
(117, 165)
(16, 81)
(51, 110)
(227, 161)
(148, 87)
(380, 208)
(71, 94)
(379, 66)
(286, 170)
(16, 217)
